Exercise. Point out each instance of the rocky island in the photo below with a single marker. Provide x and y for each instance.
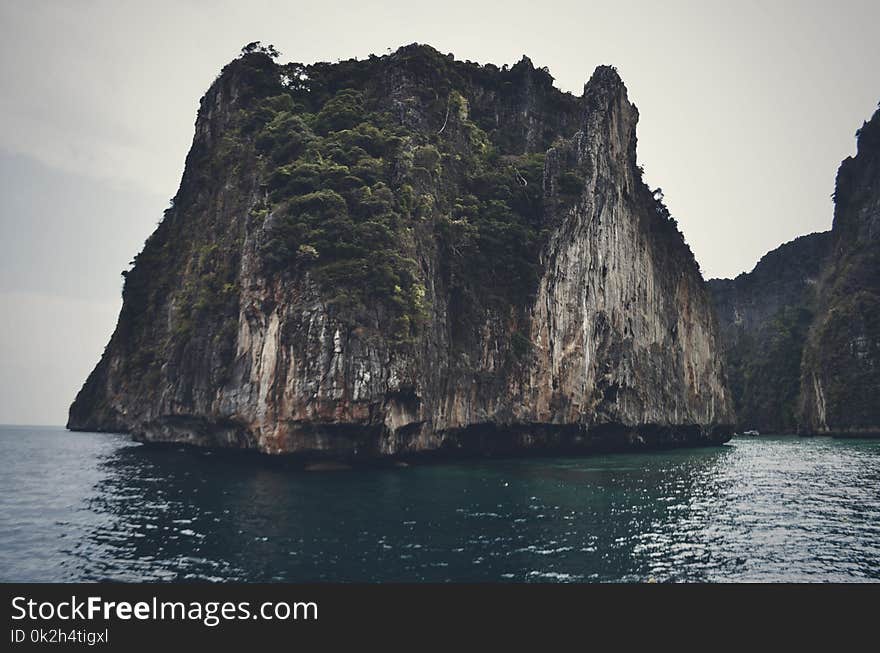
(802, 330)
(412, 255)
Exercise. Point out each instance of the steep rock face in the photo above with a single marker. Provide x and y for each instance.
(801, 332)
(764, 317)
(840, 374)
(412, 254)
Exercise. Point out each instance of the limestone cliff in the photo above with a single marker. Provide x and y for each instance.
(764, 317)
(412, 254)
(840, 373)
(801, 332)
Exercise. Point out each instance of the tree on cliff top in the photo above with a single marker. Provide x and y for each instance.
(257, 46)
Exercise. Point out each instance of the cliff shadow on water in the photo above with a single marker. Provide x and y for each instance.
(412, 254)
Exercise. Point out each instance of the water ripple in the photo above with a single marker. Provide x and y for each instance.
(96, 507)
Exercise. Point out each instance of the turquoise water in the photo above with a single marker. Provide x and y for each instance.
(89, 507)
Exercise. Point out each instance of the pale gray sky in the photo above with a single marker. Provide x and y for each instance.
(746, 109)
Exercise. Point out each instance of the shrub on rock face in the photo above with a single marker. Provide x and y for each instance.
(343, 111)
(307, 253)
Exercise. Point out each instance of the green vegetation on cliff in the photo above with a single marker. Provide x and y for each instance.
(350, 188)
(764, 370)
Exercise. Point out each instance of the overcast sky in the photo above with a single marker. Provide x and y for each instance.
(746, 109)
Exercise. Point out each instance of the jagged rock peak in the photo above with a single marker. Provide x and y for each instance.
(605, 89)
(609, 119)
(857, 179)
(606, 76)
(524, 62)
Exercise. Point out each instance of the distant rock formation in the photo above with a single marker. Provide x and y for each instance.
(840, 374)
(412, 255)
(765, 316)
(802, 330)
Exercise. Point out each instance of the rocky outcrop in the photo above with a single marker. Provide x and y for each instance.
(412, 255)
(801, 331)
(840, 373)
(764, 317)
